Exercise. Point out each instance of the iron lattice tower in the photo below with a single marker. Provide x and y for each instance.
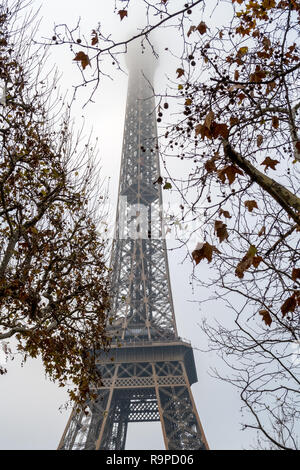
(148, 377)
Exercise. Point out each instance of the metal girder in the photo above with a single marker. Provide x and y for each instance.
(139, 392)
(148, 378)
(142, 303)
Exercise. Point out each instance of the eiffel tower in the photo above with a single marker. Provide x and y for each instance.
(148, 372)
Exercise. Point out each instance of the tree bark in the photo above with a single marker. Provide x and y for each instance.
(285, 198)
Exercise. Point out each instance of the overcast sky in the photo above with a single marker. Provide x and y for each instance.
(29, 404)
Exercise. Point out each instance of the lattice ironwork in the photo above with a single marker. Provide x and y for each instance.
(149, 377)
(141, 297)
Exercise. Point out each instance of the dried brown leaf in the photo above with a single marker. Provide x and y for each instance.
(256, 261)
(266, 317)
(270, 163)
(122, 14)
(202, 28)
(95, 39)
(289, 305)
(83, 58)
(259, 140)
(226, 214)
(221, 230)
(191, 30)
(210, 165)
(233, 120)
(204, 251)
(295, 274)
(243, 265)
(275, 122)
(251, 205)
(209, 119)
(179, 72)
(229, 172)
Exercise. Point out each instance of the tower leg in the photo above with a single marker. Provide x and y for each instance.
(115, 427)
(179, 420)
(140, 391)
(178, 415)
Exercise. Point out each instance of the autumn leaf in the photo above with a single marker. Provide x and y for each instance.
(241, 97)
(242, 51)
(33, 230)
(209, 119)
(204, 251)
(159, 180)
(179, 72)
(203, 131)
(251, 205)
(233, 120)
(167, 186)
(270, 163)
(83, 58)
(226, 214)
(95, 39)
(289, 305)
(219, 130)
(210, 165)
(275, 122)
(266, 43)
(246, 262)
(202, 27)
(259, 140)
(229, 171)
(191, 30)
(256, 261)
(298, 146)
(295, 274)
(242, 266)
(252, 251)
(262, 231)
(258, 76)
(221, 230)
(267, 4)
(266, 317)
(188, 102)
(210, 128)
(122, 14)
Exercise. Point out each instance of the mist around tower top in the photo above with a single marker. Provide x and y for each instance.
(140, 57)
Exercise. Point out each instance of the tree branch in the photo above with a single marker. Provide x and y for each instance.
(285, 198)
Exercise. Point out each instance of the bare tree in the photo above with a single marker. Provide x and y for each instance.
(238, 136)
(53, 274)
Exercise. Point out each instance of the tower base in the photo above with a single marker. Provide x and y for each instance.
(141, 382)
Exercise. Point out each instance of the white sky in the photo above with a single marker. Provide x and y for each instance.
(29, 404)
